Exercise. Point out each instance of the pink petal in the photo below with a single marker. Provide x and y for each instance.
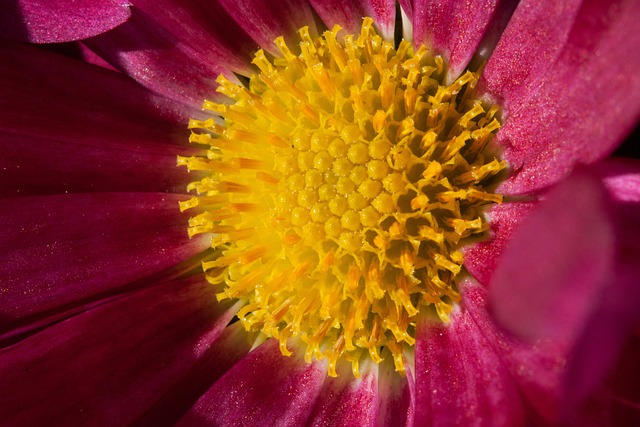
(528, 49)
(159, 60)
(621, 177)
(80, 101)
(108, 365)
(204, 26)
(580, 289)
(536, 368)
(65, 249)
(348, 14)
(42, 21)
(481, 258)
(552, 272)
(347, 401)
(213, 361)
(263, 387)
(396, 396)
(264, 20)
(31, 166)
(584, 70)
(100, 131)
(460, 379)
(453, 28)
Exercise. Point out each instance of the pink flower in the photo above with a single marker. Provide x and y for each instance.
(106, 319)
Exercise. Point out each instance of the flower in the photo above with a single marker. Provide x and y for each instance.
(106, 317)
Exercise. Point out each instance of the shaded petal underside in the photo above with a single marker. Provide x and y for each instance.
(264, 20)
(60, 249)
(349, 14)
(108, 365)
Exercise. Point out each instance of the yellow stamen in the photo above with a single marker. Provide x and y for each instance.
(341, 183)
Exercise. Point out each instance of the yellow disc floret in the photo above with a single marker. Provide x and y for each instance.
(340, 185)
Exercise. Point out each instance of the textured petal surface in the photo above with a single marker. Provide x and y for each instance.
(264, 20)
(95, 130)
(536, 368)
(62, 249)
(160, 60)
(347, 401)
(206, 27)
(481, 258)
(349, 13)
(213, 361)
(42, 21)
(31, 166)
(460, 379)
(105, 366)
(578, 99)
(453, 28)
(396, 397)
(263, 387)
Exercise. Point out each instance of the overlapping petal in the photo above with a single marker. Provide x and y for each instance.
(573, 105)
(261, 388)
(454, 28)
(264, 20)
(580, 286)
(349, 14)
(42, 21)
(70, 248)
(108, 365)
(460, 378)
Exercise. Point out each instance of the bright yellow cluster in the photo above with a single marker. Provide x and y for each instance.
(341, 183)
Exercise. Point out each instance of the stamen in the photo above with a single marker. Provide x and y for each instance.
(341, 184)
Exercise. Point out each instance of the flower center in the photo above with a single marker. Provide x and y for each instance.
(341, 183)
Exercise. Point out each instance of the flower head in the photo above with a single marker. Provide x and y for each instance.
(343, 205)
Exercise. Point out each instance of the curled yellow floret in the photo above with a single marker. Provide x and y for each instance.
(340, 185)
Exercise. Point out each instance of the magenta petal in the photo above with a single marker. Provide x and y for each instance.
(214, 360)
(480, 259)
(528, 49)
(66, 248)
(107, 365)
(347, 401)
(263, 387)
(348, 14)
(159, 60)
(204, 26)
(579, 289)
(80, 101)
(32, 166)
(264, 20)
(460, 379)
(621, 177)
(396, 397)
(43, 21)
(536, 368)
(551, 275)
(584, 70)
(453, 28)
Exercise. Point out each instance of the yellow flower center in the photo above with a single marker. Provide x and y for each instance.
(341, 183)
